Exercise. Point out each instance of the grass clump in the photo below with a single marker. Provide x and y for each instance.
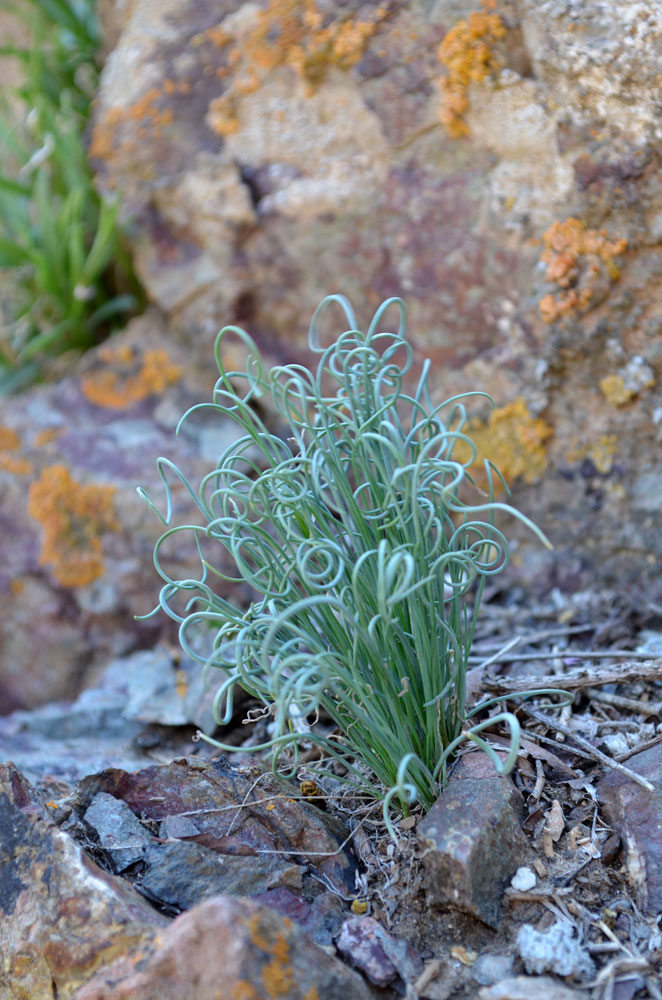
(64, 269)
(367, 561)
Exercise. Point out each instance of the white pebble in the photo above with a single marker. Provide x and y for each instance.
(523, 879)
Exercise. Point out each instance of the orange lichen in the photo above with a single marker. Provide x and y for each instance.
(17, 466)
(9, 439)
(289, 33)
(277, 974)
(243, 990)
(513, 440)
(181, 683)
(466, 52)
(620, 389)
(73, 517)
(121, 385)
(148, 113)
(576, 258)
(47, 435)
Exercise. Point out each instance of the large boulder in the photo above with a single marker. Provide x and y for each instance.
(497, 167)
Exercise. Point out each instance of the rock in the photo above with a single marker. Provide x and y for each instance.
(181, 874)
(555, 949)
(233, 946)
(62, 916)
(247, 143)
(121, 836)
(241, 811)
(56, 745)
(161, 686)
(471, 842)
(321, 919)
(529, 988)
(491, 968)
(636, 814)
(77, 538)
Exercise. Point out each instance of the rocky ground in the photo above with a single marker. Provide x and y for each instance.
(141, 864)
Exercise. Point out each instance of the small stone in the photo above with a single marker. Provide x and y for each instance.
(523, 880)
(471, 842)
(528, 988)
(554, 950)
(615, 743)
(359, 942)
(122, 837)
(489, 969)
(178, 828)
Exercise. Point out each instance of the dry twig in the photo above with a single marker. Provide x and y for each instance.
(598, 755)
(582, 677)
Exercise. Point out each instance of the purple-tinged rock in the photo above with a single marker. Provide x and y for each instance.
(237, 810)
(320, 919)
(636, 814)
(471, 844)
(359, 942)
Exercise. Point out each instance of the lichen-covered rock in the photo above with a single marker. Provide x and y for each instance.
(62, 916)
(230, 948)
(77, 539)
(69, 929)
(498, 167)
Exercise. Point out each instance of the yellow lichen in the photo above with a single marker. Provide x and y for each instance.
(514, 441)
(600, 452)
(73, 518)
(120, 385)
(614, 389)
(466, 52)
(576, 258)
(621, 388)
(289, 33)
